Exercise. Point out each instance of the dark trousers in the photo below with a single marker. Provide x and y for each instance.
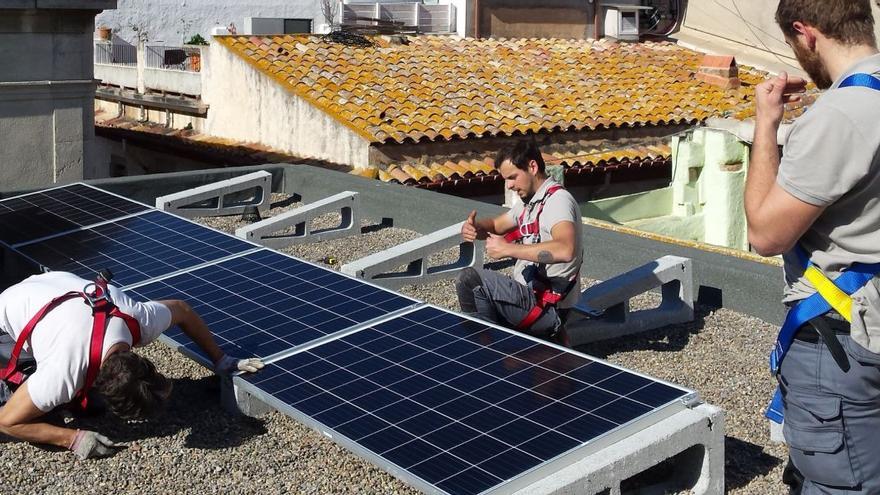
(832, 417)
(499, 299)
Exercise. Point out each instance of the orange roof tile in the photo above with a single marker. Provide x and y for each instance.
(448, 87)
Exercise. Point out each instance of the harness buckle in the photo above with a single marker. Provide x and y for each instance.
(93, 299)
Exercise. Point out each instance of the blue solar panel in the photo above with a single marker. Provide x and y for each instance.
(135, 249)
(33, 216)
(461, 405)
(265, 302)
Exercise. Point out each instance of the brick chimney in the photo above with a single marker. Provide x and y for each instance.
(719, 70)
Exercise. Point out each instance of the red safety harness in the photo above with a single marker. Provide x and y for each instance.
(103, 308)
(545, 296)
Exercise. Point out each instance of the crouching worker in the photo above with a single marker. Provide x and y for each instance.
(81, 336)
(543, 235)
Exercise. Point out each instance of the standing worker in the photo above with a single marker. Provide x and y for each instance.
(81, 336)
(819, 206)
(543, 235)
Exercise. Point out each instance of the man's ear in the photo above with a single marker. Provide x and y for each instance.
(533, 167)
(806, 33)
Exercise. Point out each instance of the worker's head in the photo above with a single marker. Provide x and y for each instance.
(808, 25)
(131, 386)
(522, 167)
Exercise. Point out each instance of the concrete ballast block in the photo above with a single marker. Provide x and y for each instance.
(266, 232)
(376, 267)
(607, 304)
(220, 198)
(692, 440)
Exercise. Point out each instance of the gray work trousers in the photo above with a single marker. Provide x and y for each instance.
(832, 417)
(502, 300)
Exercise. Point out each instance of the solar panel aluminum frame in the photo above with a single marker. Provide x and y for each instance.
(303, 347)
(689, 400)
(147, 209)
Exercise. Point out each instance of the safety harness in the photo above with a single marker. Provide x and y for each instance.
(97, 296)
(545, 295)
(830, 295)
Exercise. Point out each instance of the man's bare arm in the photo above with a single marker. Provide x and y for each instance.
(561, 249)
(18, 419)
(194, 327)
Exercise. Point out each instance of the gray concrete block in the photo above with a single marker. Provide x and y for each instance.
(604, 308)
(692, 440)
(236, 400)
(377, 267)
(220, 198)
(294, 227)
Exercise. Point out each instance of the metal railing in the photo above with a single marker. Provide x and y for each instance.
(115, 54)
(185, 58)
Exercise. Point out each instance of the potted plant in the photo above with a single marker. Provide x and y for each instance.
(105, 33)
(195, 58)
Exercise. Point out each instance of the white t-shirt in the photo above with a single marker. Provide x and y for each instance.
(60, 342)
(559, 207)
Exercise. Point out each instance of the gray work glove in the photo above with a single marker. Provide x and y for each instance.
(88, 444)
(228, 365)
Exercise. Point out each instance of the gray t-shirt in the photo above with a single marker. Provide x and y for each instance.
(560, 206)
(831, 159)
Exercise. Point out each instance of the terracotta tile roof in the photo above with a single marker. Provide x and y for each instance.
(444, 87)
(474, 174)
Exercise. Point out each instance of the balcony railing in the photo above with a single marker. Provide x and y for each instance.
(115, 54)
(185, 58)
(166, 69)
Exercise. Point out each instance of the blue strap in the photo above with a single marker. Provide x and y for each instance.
(862, 81)
(853, 279)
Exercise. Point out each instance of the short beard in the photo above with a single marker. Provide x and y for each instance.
(813, 66)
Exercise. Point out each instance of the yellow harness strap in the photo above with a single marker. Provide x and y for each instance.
(838, 299)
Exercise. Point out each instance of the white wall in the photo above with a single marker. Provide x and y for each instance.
(247, 105)
(749, 22)
(174, 21)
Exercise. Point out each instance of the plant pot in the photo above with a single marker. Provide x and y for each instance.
(105, 33)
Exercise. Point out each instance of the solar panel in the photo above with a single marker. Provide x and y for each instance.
(457, 405)
(265, 302)
(54, 211)
(136, 248)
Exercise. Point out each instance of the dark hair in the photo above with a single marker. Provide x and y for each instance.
(520, 154)
(847, 21)
(131, 386)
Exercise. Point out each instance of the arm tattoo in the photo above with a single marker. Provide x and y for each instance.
(545, 257)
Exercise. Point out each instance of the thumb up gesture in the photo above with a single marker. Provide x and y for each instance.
(469, 227)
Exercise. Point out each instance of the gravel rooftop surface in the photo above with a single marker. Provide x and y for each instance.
(195, 448)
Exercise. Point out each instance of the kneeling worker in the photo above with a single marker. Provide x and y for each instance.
(543, 235)
(82, 337)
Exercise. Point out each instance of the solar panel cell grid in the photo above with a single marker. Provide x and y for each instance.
(29, 217)
(136, 248)
(429, 392)
(264, 302)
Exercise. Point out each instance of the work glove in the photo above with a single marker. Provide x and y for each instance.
(88, 444)
(228, 365)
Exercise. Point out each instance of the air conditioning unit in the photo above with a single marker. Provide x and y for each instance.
(622, 21)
